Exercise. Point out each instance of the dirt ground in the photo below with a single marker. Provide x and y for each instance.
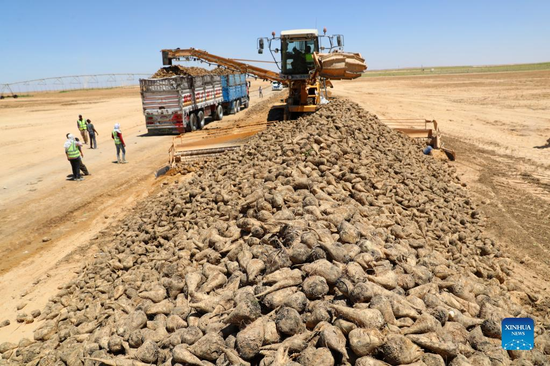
(48, 225)
(499, 126)
(497, 123)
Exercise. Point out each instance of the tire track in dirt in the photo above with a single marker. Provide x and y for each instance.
(516, 201)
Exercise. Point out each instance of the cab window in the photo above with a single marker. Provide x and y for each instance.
(297, 56)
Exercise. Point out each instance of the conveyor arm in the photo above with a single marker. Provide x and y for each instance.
(169, 55)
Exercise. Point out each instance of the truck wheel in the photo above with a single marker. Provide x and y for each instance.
(200, 120)
(219, 113)
(246, 103)
(237, 106)
(193, 121)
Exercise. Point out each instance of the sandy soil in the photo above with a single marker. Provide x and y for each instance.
(499, 125)
(50, 226)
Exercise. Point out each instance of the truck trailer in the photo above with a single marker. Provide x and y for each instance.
(178, 104)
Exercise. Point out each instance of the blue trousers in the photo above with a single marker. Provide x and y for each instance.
(93, 142)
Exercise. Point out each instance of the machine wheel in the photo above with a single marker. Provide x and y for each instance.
(246, 102)
(237, 106)
(193, 121)
(200, 120)
(219, 113)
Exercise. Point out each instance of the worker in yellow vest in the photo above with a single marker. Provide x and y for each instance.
(119, 143)
(309, 57)
(74, 156)
(83, 169)
(81, 124)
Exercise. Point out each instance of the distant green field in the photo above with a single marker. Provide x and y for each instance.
(457, 70)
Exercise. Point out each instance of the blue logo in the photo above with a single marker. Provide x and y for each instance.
(518, 334)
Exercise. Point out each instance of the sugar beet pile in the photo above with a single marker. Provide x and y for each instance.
(327, 240)
(175, 70)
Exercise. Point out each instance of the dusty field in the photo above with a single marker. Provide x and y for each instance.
(36, 202)
(499, 124)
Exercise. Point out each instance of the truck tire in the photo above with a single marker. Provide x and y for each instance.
(200, 120)
(237, 106)
(219, 113)
(193, 121)
(246, 102)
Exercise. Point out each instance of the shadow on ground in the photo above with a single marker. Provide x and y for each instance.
(543, 146)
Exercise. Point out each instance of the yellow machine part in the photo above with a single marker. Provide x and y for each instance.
(302, 108)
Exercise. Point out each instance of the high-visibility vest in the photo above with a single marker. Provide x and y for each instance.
(115, 136)
(309, 57)
(81, 124)
(73, 152)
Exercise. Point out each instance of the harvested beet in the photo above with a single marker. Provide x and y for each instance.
(366, 318)
(182, 355)
(288, 321)
(208, 347)
(315, 287)
(363, 341)
(251, 338)
(148, 352)
(398, 350)
(316, 357)
(332, 338)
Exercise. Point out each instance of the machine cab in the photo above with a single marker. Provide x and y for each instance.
(297, 47)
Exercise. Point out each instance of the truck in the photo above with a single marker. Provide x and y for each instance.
(179, 104)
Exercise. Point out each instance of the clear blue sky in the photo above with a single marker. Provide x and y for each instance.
(57, 38)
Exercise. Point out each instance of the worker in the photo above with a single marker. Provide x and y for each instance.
(92, 132)
(309, 56)
(81, 124)
(119, 143)
(73, 155)
(298, 62)
(83, 167)
(260, 93)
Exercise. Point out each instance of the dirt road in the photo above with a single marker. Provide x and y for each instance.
(35, 196)
(499, 125)
(46, 222)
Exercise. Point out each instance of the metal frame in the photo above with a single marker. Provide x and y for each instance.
(417, 129)
(59, 83)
